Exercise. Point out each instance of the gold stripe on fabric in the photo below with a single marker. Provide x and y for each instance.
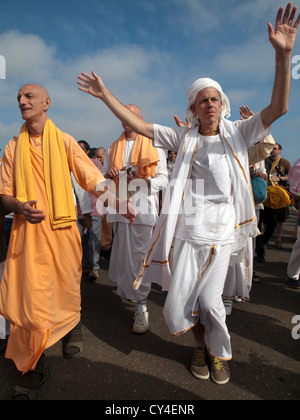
(160, 262)
(243, 171)
(212, 253)
(244, 223)
(146, 265)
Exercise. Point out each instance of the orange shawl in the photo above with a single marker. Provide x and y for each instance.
(144, 155)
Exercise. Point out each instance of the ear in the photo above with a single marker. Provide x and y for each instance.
(192, 108)
(47, 104)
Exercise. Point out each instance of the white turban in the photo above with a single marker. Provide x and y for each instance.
(193, 91)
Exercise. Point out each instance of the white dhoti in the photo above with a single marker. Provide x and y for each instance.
(293, 269)
(130, 244)
(239, 277)
(199, 274)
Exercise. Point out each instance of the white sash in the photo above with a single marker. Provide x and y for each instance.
(158, 255)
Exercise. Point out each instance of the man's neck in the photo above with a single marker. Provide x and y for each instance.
(131, 135)
(209, 128)
(36, 128)
(274, 158)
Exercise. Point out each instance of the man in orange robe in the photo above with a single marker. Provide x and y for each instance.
(40, 289)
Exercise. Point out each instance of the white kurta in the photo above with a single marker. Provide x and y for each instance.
(148, 214)
(130, 242)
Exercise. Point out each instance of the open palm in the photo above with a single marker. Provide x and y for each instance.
(284, 35)
(91, 84)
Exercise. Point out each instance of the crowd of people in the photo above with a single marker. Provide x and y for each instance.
(195, 239)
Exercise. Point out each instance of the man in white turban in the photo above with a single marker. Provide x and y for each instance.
(208, 212)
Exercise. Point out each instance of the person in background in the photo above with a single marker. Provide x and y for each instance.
(171, 162)
(100, 154)
(278, 170)
(293, 269)
(91, 238)
(148, 164)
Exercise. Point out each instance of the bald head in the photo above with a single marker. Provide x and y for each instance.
(34, 102)
(135, 109)
(130, 133)
(100, 154)
(39, 90)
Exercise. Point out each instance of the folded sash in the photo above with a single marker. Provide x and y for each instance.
(144, 156)
(56, 172)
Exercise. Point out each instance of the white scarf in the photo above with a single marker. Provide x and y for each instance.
(158, 252)
(193, 91)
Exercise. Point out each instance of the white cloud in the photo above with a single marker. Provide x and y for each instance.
(151, 78)
(27, 57)
(134, 74)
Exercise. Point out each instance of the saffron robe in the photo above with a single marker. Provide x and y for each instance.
(40, 289)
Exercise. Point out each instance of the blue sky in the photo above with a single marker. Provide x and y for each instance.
(147, 52)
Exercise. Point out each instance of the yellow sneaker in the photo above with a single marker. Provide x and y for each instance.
(219, 371)
(199, 365)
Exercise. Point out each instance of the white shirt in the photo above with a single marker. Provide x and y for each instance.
(146, 204)
(208, 214)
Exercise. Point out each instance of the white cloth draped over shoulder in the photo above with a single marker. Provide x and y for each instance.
(159, 249)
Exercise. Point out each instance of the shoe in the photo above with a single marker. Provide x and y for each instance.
(93, 275)
(294, 284)
(219, 371)
(278, 244)
(73, 343)
(141, 322)
(260, 259)
(228, 306)
(199, 365)
(3, 344)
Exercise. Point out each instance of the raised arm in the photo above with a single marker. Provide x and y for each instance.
(93, 85)
(282, 38)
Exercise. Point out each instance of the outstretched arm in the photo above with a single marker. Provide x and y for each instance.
(94, 85)
(282, 38)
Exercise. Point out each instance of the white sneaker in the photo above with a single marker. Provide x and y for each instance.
(141, 322)
(228, 306)
(93, 275)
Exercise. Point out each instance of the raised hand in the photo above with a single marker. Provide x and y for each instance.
(91, 84)
(180, 123)
(245, 112)
(284, 35)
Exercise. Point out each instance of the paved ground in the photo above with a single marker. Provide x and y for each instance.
(117, 365)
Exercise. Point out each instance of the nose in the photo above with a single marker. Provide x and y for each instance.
(21, 100)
